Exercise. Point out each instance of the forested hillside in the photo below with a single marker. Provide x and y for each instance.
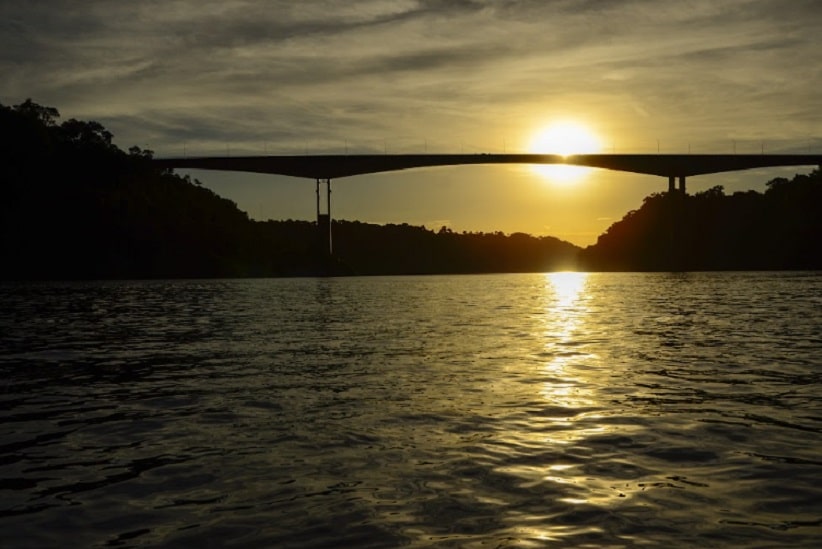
(780, 229)
(75, 206)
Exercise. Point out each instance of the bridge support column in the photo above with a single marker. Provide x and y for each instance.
(324, 220)
(671, 183)
(682, 184)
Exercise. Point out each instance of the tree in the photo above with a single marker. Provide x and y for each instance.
(45, 115)
(717, 191)
(88, 134)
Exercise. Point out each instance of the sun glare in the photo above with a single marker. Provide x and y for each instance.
(564, 138)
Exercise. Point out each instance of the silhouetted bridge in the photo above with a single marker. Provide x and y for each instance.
(324, 168)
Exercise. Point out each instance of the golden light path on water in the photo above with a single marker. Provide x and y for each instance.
(570, 369)
(564, 312)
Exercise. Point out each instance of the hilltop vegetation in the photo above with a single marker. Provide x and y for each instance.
(76, 206)
(780, 229)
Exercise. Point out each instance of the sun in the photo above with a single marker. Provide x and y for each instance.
(565, 138)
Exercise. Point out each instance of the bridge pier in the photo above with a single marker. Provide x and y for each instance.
(672, 184)
(324, 220)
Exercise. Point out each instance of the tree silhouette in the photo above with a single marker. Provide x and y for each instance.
(779, 229)
(76, 206)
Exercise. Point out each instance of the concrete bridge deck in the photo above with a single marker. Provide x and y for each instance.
(326, 167)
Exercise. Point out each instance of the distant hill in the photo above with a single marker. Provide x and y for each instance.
(780, 229)
(405, 249)
(75, 206)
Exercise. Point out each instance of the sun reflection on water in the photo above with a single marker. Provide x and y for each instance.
(570, 421)
(566, 286)
(564, 314)
(573, 383)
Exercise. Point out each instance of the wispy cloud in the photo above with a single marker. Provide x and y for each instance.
(240, 70)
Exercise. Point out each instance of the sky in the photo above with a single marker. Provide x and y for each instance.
(240, 77)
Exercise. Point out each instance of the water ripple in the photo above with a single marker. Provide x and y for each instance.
(512, 410)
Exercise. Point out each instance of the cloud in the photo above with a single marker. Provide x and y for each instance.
(325, 71)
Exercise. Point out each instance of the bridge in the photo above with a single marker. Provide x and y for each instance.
(324, 168)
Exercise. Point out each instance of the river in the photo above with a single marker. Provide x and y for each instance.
(527, 410)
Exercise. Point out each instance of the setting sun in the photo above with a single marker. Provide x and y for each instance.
(564, 138)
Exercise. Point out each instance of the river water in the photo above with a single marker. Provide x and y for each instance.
(536, 410)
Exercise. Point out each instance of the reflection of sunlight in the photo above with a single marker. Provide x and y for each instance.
(567, 286)
(570, 367)
(564, 314)
(563, 293)
(571, 414)
(565, 414)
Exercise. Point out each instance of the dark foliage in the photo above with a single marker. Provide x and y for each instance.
(374, 249)
(76, 206)
(779, 229)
